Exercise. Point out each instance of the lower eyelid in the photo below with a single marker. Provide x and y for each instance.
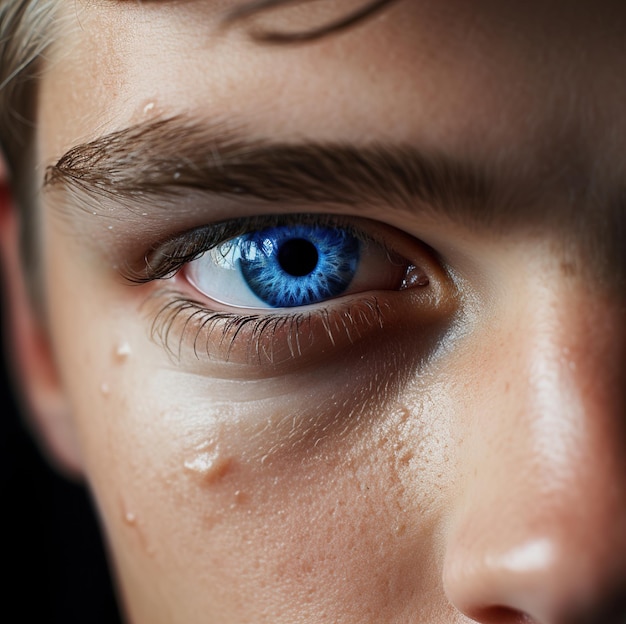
(278, 343)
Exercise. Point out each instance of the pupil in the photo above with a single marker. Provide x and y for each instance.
(298, 257)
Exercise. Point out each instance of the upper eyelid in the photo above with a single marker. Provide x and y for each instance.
(167, 257)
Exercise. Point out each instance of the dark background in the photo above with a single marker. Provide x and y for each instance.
(51, 553)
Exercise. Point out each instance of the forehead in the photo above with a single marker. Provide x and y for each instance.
(434, 71)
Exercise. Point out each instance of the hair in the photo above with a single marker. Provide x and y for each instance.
(25, 34)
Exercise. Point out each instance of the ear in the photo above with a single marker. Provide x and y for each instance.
(30, 359)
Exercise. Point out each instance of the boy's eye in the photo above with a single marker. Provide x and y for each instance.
(261, 290)
(294, 265)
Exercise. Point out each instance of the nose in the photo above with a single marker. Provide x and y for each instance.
(537, 532)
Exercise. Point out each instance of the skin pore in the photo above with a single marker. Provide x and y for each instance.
(442, 442)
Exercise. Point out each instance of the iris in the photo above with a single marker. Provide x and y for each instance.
(296, 265)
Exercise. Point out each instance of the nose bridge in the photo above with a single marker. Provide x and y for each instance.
(541, 526)
(571, 401)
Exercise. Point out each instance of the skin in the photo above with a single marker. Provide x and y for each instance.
(465, 458)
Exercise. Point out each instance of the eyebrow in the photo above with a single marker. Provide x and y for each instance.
(170, 156)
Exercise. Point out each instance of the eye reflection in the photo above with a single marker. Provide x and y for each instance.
(293, 265)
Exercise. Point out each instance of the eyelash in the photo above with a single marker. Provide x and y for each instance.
(167, 258)
(261, 342)
(269, 338)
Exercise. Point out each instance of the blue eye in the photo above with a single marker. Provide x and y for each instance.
(288, 266)
(298, 265)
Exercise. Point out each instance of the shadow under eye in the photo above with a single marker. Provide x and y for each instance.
(277, 344)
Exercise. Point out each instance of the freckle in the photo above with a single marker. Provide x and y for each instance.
(405, 458)
(399, 529)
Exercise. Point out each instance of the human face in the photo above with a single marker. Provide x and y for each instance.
(444, 439)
